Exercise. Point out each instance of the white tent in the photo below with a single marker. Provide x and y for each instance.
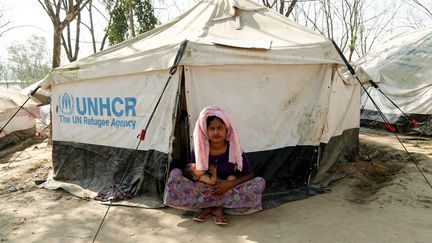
(402, 68)
(41, 95)
(279, 80)
(10, 102)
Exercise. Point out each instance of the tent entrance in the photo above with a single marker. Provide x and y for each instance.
(181, 143)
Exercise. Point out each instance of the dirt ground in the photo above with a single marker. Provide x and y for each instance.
(381, 198)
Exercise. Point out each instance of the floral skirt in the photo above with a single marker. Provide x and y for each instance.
(184, 193)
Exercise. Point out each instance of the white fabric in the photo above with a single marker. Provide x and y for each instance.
(42, 94)
(275, 106)
(402, 67)
(415, 101)
(10, 101)
(343, 107)
(138, 92)
(44, 112)
(203, 25)
(21, 121)
(360, 75)
(259, 44)
(279, 97)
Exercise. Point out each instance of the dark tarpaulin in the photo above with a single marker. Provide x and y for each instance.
(98, 167)
(285, 170)
(290, 172)
(372, 119)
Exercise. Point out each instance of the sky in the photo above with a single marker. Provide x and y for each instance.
(28, 14)
(29, 18)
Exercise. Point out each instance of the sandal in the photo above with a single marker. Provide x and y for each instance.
(202, 216)
(220, 220)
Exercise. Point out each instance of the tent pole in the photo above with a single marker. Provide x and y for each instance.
(413, 121)
(172, 71)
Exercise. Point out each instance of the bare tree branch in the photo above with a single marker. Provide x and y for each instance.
(290, 8)
(424, 7)
(71, 12)
(312, 21)
(11, 28)
(282, 6)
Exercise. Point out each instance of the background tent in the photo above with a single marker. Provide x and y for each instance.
(402, 67)
(281, 82)
(23, 124)
(43, 96)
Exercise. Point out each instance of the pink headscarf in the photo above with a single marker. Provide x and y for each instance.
(201, 140)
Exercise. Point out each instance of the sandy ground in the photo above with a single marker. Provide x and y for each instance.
(382, 198)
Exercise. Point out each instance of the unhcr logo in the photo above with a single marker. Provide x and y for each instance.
(97, 106)
(85, 111)
(66, 104)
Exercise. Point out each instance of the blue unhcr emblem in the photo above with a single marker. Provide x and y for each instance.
(66, 104)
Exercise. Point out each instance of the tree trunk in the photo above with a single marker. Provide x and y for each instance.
(53, 9)
(131, 20)
(290, 8)
(90, 9)
(282, 6)
(77, 37)
(57, 47)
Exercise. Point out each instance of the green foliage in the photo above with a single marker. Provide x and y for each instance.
(28, 62)
(125, 12)
(145, 15)
(118, 28)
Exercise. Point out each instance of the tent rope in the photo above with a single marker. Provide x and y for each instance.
(412, 120)
(21, 107)
(421, 130)
(33, 115)
(41, 132)
(172, 71)
(16, 142)
(353, 73)
(386, 121)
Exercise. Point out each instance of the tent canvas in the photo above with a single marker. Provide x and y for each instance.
(402, 67)
(22, 122)
(41, 95)
(295, 113)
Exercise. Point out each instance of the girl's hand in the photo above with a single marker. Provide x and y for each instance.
(222, 186)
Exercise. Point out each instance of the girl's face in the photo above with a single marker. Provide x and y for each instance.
(216, 131)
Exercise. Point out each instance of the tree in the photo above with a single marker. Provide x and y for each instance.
(419, 14)
(28, 61)
(3, 25)
(60, 18)
(71, 50)
(83, 18)
(127, 18)
(427, 10)
(90, 7)
(91, 28)
(86, 19)
(3, 71)
(355, 25)
(280, 6)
